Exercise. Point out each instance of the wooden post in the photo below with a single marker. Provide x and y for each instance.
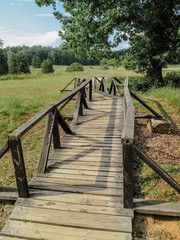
(90, 90)
(63, 123)
(20, 172)
(56, 136)
(128, 182)
(46, 144)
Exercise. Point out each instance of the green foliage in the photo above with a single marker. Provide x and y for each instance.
(129, 64)
(140, 84)
(95, 28)
(17, 63)
(104, 64)
(36, 62)
(172, 79)
(115, 63)
(3, 64)
(47, 66)
(75, 67)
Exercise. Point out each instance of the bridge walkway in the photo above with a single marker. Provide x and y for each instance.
(80, 197)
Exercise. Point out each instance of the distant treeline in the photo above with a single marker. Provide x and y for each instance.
(58, 56)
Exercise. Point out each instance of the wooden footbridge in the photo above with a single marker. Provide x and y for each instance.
(83, 188)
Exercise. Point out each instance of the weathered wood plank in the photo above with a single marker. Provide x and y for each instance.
(157, 207)
(74, 219)
(7, 193)
(46, 143)
(74, 207)
(43, 231)
(4, 149)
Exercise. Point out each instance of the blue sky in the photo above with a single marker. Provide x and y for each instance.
(22, 22)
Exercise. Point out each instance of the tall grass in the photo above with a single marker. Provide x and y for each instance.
(168, 95)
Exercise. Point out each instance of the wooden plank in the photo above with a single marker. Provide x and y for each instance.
(84, 172)
(86, 177)
(46, 143)
(58, 162)
(77, 189)
(157, 207)
(7, 193)
(92, 168)
(20, 172)
(77, 182)
(73, 207)
(73, 219)
(43, 231)
(4, 149)
(76, 198)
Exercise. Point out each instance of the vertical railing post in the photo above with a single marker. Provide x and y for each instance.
(56, 135)
(128, 182)
(81, 103)
(20, 172)
(90, 90)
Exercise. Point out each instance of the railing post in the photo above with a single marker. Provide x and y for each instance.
(128, 182)
(90, 90)
(56, 136)
(20, 172)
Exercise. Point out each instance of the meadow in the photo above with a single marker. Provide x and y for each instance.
(22, 96)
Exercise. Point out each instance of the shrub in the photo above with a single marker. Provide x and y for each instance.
(75, 67)
(172, 79)
(142, 84)
(47, 66)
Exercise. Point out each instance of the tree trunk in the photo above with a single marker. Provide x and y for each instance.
(154, 73)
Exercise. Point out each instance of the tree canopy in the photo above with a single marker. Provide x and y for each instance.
(93, 27)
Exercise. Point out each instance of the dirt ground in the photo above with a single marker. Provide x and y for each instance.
(165, 150)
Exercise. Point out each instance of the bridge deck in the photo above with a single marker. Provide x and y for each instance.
(81, 194)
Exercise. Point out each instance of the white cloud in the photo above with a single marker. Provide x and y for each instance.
(14, 39)
(45, 15)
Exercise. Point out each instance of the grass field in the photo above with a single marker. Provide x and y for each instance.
(26, 95)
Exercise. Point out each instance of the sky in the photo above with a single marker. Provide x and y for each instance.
(23, 22)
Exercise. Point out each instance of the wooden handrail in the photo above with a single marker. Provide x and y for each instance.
(129, 116)
(4, 149)
(19, 132)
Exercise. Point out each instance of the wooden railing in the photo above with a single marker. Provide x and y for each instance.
(128, 146)
(51, 132)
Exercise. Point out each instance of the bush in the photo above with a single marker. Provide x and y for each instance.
(142, 84)
(74, 67)
(47, 66)
(172, 79)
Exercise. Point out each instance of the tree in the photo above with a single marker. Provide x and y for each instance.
(36, 62)
(47, 66)
(3, 63)
(17, 63)
(90, 25)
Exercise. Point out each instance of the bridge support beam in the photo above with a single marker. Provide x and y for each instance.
(128, 182)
